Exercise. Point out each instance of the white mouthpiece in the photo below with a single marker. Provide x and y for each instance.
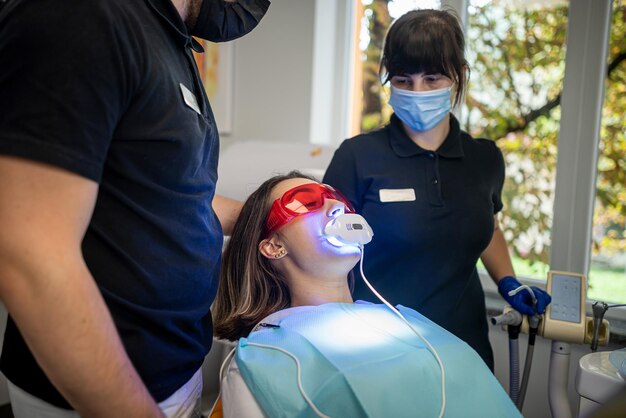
(348, 229)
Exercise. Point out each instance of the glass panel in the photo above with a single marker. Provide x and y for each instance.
(516, 53)
(607, 277)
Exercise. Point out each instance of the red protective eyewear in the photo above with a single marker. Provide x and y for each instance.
(301, 200)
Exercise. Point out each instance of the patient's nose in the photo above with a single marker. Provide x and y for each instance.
(337, 209)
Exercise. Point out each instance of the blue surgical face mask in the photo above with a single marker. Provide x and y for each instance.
(420, 110)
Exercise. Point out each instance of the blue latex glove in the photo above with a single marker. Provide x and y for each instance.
(523, 301)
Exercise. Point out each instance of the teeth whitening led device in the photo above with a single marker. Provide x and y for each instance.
(348, 229)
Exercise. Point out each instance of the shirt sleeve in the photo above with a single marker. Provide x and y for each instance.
(342, 174)
(63, 83)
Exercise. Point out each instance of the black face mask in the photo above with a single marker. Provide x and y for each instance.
(221, 21)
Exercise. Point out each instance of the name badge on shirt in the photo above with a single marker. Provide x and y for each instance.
(190, 98)
(397, 195)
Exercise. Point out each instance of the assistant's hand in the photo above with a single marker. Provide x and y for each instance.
(523, 301)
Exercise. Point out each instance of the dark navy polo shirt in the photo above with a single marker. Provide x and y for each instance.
(432, 215)
(105, 89)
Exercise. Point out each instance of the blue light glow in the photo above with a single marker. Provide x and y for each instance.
(335, 242)
(350, 329)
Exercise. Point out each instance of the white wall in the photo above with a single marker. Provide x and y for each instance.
(273, 72)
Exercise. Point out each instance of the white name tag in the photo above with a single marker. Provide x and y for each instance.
(397, 195)
(190, 98)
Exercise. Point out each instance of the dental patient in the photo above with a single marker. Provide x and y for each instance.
(304, 348)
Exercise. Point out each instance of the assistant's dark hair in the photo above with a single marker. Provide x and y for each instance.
(426, 41)
(250, 287)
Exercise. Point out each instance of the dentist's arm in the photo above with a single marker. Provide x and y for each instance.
(51, 295)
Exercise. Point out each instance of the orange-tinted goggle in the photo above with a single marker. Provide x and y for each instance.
(301, 200)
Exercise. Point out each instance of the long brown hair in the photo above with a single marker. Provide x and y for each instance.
(250, 287)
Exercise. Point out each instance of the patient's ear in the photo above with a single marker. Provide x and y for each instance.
(272, 248)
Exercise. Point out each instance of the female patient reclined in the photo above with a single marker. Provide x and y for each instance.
(304, 348)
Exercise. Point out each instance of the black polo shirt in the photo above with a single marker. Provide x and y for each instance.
(432, 216)
(106, 89)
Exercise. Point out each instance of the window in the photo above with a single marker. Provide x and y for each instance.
(516, 55)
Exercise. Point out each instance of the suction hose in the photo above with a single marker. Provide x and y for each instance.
(532, 334)
(513, 320)
(514, 369)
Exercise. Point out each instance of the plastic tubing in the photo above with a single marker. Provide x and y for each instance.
(533, 322)
(525, 376)
(514, 369)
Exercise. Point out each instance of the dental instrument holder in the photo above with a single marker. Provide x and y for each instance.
(565, 318)
(565, 322)
(599, 309)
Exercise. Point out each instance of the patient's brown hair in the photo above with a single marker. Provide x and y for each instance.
(250, 287)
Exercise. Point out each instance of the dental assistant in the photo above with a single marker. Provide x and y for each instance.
(429, 190)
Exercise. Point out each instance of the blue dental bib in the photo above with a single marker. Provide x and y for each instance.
(360, 360)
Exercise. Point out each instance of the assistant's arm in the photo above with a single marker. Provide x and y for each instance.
(51, 295)
(227, 211)
(496, 257)
(498, 263)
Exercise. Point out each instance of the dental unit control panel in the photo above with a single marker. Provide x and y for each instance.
(565, 319)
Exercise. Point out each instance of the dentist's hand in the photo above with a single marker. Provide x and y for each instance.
(523, 301)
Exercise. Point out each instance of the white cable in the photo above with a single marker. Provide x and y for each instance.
(522, 287)
(430, 347)
(304, 395)
(221, 375)
(228, 356)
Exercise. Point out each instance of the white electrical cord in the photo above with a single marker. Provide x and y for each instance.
(221, 376)
(304, 395)
(226, 359)
(299, 375)
(298, 367)
(430, 347)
